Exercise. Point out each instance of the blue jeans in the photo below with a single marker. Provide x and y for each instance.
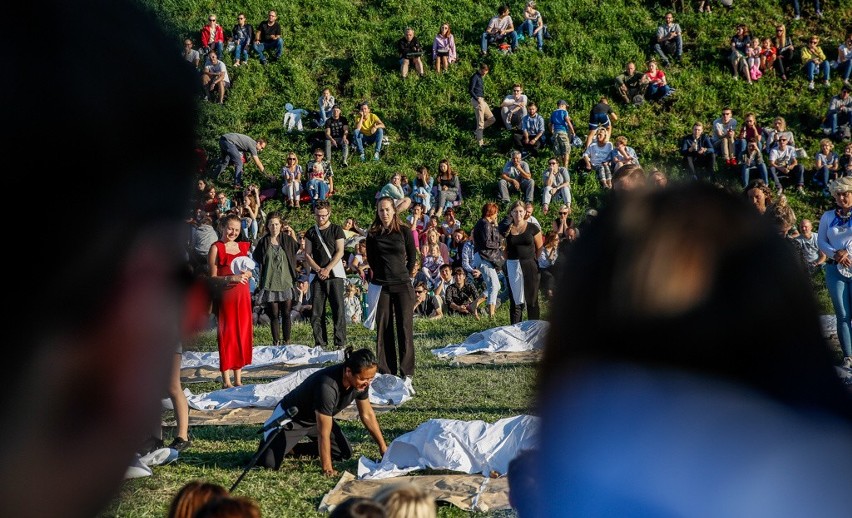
(217, 47)
(492, 281)
(844, 69)
(811, 69)
(318, 189)
(361, 139)
(261, 46)
(836, 119)
(324, 116)
(490, 38)
(840, 290)
(797, 173)
(760, 168)
(825, 176)
(241, 49)
(527, 28)
(229, 153)
(672, 47)
(656, 92)
(798, 10)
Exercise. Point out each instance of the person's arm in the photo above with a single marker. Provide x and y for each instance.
(338, 255)
(539, 243)
(309, 258)
(525, 171)
(368, 418)
(324, 425)
(438, 314)
(378, 124)
(258, 163)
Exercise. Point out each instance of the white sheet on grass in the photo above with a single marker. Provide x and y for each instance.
(829, 325)
(523, 336)
(467, 446)
(384, 390)
(263, 356)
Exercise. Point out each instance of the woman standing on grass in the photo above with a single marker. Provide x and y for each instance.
(523, 246)
(488, 258)
(784, 51)
(835, 241)
(234, 322)
(390, 247)
(276, 255)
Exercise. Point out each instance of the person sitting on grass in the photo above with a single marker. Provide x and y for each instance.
(516, 172)
(426, 305)
(368, 130)
(531, 137)
(658, 85)
(444, 49)
(596, 158)
(215, 78)
(630, 84)
(393, 190)
(668, 41)
(410, 52)
(533, 25)
(460, 297)
(500, 29)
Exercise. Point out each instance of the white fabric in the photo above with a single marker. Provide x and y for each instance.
(141, 466)
(373, 292)
(515, 277)
(265, 356)
(242, 264)
(467, 446)
(524, 336)
(385, 389)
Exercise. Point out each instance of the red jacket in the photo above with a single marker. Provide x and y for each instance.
(219, 37)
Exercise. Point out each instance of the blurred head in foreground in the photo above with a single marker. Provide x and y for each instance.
(685, 372)
(85, 380)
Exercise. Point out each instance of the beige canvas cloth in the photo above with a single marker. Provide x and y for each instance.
(467, 492)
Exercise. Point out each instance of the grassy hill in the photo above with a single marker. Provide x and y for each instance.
(348, 46)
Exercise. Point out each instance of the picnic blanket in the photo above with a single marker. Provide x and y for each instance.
(465, 446)
(524, 336)
(467, 492)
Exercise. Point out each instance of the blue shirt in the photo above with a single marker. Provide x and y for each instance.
(558, 120)
(533, 125)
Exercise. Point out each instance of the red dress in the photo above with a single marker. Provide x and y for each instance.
(235, 330)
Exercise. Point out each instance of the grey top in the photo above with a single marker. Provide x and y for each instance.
(244, 143)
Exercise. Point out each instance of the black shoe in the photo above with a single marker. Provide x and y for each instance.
(180, 444)
(151, 443)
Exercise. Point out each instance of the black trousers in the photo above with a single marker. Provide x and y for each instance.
(279, 313)
(395, 349)
(531, 279)
(331, 290)
(701, 167)
(288, 440)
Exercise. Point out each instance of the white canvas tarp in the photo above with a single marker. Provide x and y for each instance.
(264, 356)
(524, 336)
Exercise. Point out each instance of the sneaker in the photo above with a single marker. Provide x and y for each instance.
(800, 189)
(847, 362)
(780, 190)
(819, 14)
(811, 85)
(847, 84)
(180, 444)
(363, 157)
(376, 157)
(797, 17)
(827, 83)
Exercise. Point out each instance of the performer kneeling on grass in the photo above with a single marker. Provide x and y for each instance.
(318, 399)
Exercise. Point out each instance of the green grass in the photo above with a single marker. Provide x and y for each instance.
(348, 47)
(220, 453)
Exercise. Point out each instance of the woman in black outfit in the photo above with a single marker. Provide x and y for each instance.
(276, 255)
(392, 254)
(523, 245)
(784, 56)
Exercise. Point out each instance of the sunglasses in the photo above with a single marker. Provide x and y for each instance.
(212, 19)
(318, 154)
(419, 291)
(290, 159)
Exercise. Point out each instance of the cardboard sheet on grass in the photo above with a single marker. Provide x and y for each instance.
(252, 404)
(467, 492)
(518, 343)
(269, 361)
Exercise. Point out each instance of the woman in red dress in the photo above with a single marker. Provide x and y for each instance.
(235, 330)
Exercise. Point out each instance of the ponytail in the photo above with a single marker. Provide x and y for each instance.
(357, 361)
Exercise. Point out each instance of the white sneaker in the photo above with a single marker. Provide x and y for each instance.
(797, 17)
(847, 362)
(811, 85)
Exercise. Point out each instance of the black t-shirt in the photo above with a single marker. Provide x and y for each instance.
(329, 235)
(522, 246)
(601, 108)
(321, 392)
(336, 126)
(266, 31)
